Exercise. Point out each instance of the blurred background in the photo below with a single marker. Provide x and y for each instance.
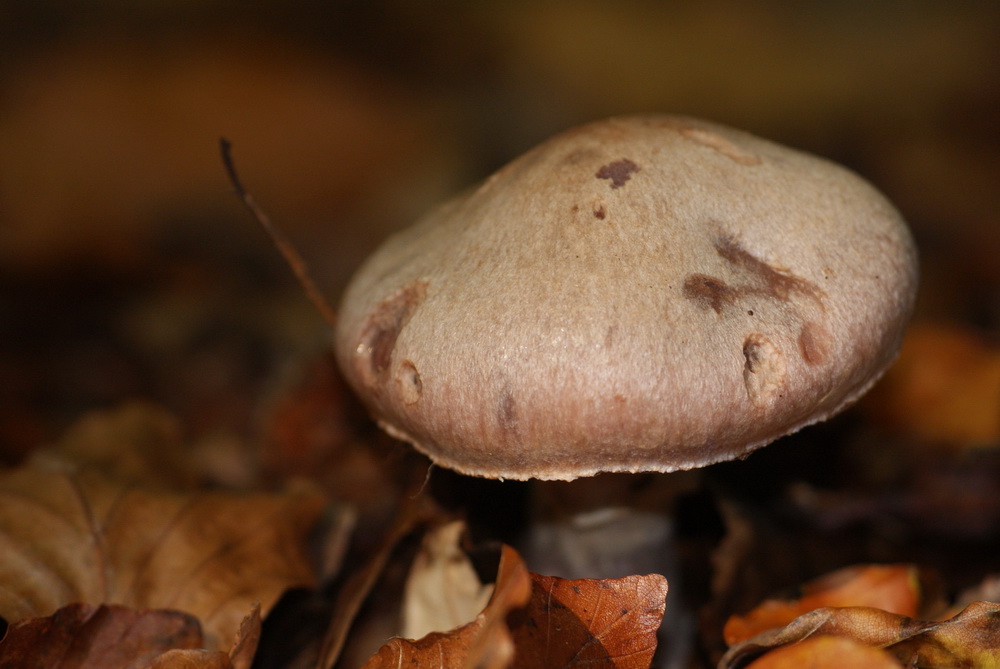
(129, 269)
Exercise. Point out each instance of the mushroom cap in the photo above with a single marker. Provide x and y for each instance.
(645, 293)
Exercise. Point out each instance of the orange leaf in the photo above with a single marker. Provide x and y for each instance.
(584, 621)
(945, 387)
(971, 638)
(826, 652)
(893, 588)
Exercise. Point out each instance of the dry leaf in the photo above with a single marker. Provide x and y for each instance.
(826, 652)
(79, 537)
(191, 659)
(443, 591)
(245, 646)
(563, 622)
(893, 588)
(239, 657)
(970, 639)
(604, 621)
(137, 441)
(945, 387)
(484, 643)
(81, 636)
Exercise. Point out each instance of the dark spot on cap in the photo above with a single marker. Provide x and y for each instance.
(507, 411)
(381, 330)
(610, 335)
(618, 172)
(708, 291)
(600, 212)
(764, 279)
(814, 343)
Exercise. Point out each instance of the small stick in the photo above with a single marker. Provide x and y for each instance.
(285, 247)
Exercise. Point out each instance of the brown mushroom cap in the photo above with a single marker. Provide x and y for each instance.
(645, 293)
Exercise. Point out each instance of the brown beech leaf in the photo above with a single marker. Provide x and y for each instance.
(239, 657)
(191, 659)
(483, 643)
(556, 623)
(893, 588)
(612, 622)
(76, 536)
(826, 652)
(969, 639)
(81, 635)
(245, 646)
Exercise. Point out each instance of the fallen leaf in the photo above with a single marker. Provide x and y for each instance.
(137, 441)
(969, 639)
(442, 591)
(81, 635)
(893, 588)
(245, 646)
(560, 623)
(77, 536)
(586, 621)
(944, 388)
(483, 643)
(826, 652)
(191, 659)
(239, 657)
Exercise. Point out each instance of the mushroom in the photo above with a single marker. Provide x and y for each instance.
(640, 294)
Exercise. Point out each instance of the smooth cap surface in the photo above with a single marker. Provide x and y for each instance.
(639, 294)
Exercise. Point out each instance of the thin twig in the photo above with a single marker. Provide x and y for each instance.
(285, 247)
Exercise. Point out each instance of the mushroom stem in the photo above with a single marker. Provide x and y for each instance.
(606, 526)
(610, 526)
